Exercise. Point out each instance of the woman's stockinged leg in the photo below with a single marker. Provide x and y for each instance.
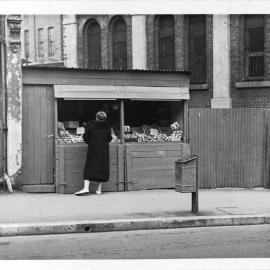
(85, 190)
(99, 187)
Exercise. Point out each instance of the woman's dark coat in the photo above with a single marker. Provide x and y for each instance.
(97, 135)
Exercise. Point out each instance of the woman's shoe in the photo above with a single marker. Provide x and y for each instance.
(85, 189)
(81, 192)
(98, 192)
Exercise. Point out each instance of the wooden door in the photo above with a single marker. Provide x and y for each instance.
(38, 139)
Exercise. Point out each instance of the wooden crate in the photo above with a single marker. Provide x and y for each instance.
(70, 161)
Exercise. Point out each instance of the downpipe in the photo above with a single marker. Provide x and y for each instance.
(3, 122)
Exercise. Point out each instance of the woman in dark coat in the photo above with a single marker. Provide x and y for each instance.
(97, 136)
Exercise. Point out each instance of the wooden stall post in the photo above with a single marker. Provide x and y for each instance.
(186, 122)
(122, 121)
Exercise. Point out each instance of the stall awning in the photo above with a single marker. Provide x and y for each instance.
(99, 92)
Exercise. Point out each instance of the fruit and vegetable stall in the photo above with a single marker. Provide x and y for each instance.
(147, 111)
(149, 128)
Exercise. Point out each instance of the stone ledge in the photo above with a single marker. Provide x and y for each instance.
(203, 86)
(252, 84)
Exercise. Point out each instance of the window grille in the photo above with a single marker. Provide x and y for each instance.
(254, 47)
(166, 43)
(197, 48)
(50, 41)
(94, 45)
(119, 44)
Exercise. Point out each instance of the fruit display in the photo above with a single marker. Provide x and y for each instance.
(175, 136)
(138, 134)
(64, 136)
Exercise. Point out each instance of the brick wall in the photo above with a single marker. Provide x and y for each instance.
(254, 96)
(201, 97)
(105, 22)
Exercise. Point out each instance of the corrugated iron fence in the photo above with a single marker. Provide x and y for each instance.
(232, 145)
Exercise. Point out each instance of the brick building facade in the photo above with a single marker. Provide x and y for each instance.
(218, 40)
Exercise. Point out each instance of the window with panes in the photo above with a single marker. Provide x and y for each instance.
(50, 41)
(94, 45)
(166, 42)
(119, 44)
(197, 48)
(40, 43)
(254, 46)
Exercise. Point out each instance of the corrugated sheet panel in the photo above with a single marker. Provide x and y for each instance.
(230, 144)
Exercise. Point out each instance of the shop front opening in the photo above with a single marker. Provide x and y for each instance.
(144, 121)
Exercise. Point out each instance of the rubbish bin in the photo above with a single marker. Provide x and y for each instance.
(186, 179)
(186, 174)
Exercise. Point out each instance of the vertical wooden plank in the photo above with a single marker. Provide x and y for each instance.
(43, 135)
(62, 183)
(186, 122)
(24, 135)
(50, 153)
(37, 135)
(120, 166)
(31, 137)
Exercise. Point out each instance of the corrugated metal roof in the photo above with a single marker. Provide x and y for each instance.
(103, 69)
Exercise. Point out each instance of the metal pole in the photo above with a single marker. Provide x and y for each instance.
(195, 207)
(195, 195)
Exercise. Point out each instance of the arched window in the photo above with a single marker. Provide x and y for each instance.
(166, 42)
(94, 45)
(119, 44)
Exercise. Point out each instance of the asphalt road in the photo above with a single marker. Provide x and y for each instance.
(215, 242)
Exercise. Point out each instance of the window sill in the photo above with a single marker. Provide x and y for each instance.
(252, 84)
(203, 86)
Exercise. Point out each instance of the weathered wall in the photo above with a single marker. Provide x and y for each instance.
(138, 42)
(33, 23)
(70, 46)
(14, 97)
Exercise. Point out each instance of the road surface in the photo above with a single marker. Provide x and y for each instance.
(215, 242)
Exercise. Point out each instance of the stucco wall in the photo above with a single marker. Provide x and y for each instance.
(33, 23)
(14, 97)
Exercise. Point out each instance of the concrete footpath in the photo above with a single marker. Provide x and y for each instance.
(30, 214)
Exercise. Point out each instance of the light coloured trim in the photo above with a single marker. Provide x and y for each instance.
(76, 92)
(252, 84)
(202, 86)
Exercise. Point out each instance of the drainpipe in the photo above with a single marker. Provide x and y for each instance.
(35, 40)
(62, 38)
(4, 98)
